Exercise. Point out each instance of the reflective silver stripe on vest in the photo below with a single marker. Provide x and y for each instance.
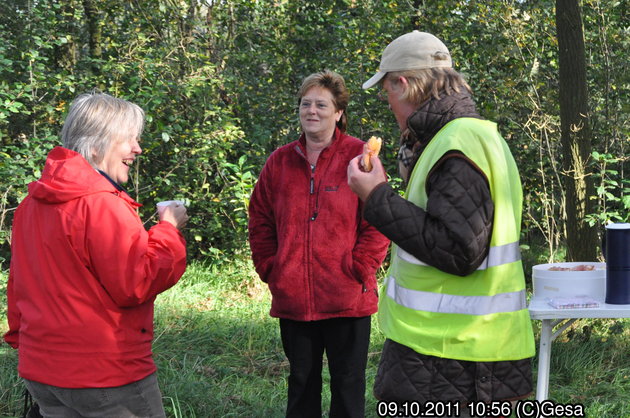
(502, 254)
(442, 303)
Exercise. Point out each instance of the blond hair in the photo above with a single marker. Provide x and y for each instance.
(429, 82)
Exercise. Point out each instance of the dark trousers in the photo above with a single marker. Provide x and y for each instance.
(345, 341)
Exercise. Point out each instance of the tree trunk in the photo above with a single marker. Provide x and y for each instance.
(575, 137)
(66, 53)
(416, 19)
(94, 28)
(188, 23)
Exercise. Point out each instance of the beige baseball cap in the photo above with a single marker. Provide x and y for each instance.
(412, 51)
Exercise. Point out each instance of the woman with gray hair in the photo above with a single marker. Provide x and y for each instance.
(84, 272)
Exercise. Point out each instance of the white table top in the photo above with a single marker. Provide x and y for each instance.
(540, 309)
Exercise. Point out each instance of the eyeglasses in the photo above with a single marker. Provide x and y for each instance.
(382, 95)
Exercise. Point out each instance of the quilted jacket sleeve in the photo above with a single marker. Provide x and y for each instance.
(453, 234)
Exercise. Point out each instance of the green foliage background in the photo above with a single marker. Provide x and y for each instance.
(218, 80)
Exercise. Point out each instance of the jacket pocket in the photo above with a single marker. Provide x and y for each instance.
(266, 269)
(349, 268)
(338, 289)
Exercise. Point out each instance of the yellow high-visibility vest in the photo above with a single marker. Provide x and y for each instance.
(482, 316)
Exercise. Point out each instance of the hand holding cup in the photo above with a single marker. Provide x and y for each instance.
(174, 212)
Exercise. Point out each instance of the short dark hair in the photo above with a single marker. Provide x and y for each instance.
(334, 83)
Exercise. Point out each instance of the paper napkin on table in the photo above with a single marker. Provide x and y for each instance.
(575, 302)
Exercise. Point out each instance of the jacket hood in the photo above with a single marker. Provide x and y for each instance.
(67, 176)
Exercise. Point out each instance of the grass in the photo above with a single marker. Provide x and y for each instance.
(219, 353)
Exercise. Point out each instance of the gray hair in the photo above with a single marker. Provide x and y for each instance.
(429, 82)
(96, 120)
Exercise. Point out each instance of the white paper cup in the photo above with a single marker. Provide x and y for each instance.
(163, 204)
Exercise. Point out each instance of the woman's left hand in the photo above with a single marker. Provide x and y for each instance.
(362, 183)
(176, 214)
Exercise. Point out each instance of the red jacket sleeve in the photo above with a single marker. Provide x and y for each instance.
(369, 251)
(133, 265)
(12, 337)
(263, 238)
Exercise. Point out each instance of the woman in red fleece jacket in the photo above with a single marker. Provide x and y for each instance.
(84, 272)
(317, 254)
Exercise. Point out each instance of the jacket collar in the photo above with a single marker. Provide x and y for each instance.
(300, 146)
(116, 185)
(434, 113)
(426, 121)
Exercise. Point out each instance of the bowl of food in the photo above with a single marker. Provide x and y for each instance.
(570, 279)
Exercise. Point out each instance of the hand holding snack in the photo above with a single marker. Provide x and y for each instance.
(363, 182)
(370, 149)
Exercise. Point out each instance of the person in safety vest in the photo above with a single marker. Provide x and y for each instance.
(316, 253)
(85, 273)
(453, 306)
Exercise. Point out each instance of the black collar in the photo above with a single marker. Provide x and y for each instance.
(116, 185)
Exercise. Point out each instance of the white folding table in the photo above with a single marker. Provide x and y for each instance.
(563, 318)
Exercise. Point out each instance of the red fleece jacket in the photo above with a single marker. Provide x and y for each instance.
(309, 242)
(83, 277)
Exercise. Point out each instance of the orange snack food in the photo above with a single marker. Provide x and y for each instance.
(581, 267)
(371, 148)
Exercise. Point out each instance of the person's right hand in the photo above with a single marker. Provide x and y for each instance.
(175, 213)
(361, 182)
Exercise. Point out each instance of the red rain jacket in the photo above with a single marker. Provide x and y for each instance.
(83, 277)
(309, 242)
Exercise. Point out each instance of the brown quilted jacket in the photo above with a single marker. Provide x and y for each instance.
(453, 235)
